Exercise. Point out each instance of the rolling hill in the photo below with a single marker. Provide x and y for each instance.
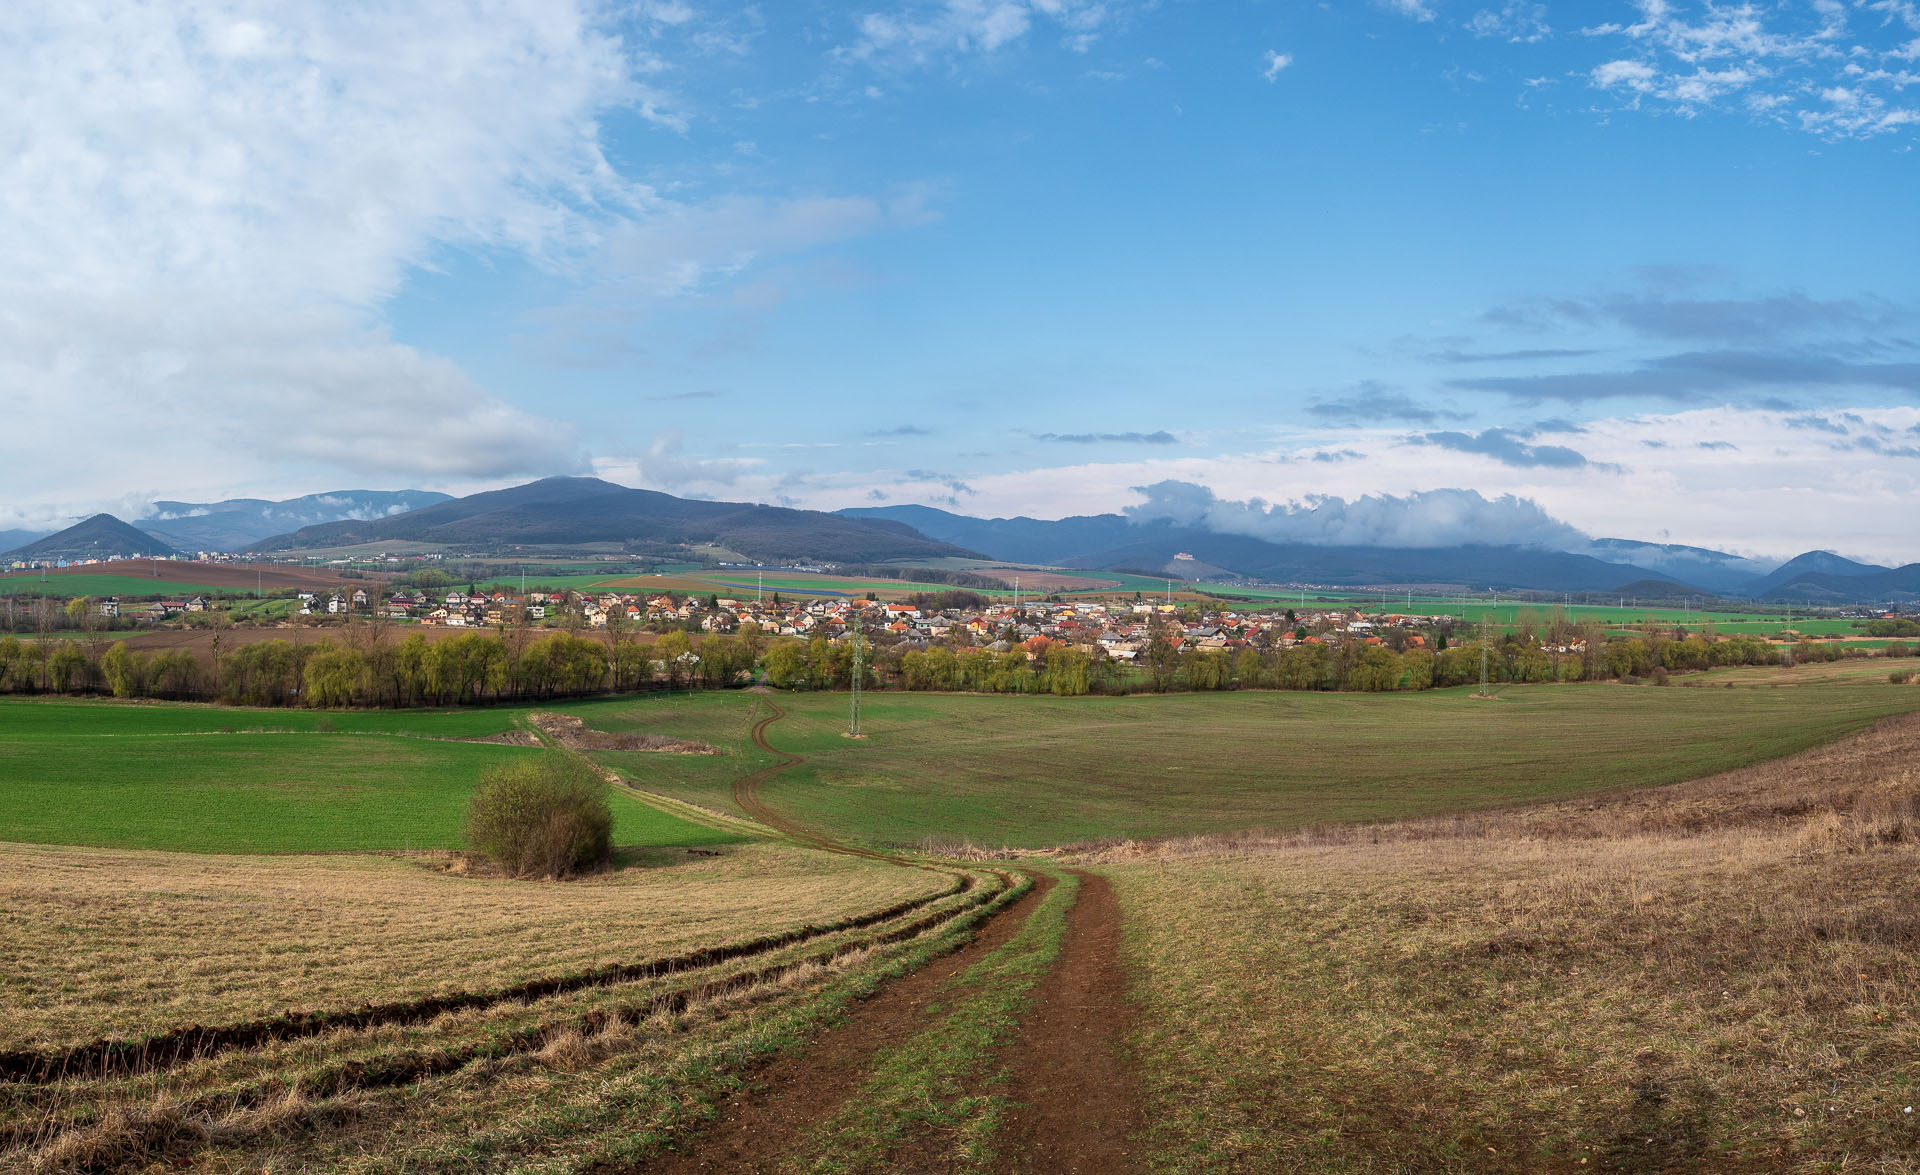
(96, 538)
(1898, 585)
(576, 511)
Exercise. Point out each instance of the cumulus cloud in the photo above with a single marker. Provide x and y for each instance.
(665, 465)
(1433, 518)
(1276, 62)
(208, 207)
(205, 206)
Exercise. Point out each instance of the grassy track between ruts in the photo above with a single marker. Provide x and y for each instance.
(934, 1092)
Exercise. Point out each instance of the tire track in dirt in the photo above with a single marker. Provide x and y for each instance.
(757, 1128)
(1077, 1106)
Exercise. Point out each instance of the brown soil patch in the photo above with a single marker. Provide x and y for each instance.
(758, 1126)
(1077, 1106)
(508, 738)
(574, 734)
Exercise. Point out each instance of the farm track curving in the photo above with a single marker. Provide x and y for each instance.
(1076, 1105)
(789, 1093)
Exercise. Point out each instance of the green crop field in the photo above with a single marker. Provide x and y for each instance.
(1035, 771)
(211, 779)
(124, 586)
(548, 581)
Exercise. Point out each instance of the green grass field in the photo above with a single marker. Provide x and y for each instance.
(1036, 771)
(124, 586)
(211, 779)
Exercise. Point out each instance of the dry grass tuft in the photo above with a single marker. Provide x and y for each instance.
(568, 1051)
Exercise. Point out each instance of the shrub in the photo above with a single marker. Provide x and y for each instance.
(1900, 676)
(542, 817)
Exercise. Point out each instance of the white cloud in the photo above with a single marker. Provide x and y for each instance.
(1425, 518)
(1826, 68)
(1517, 21)
(203, 209)
(1749, 481)
(1275, 63)
(1418, 10)
(926, 30)
(1632, 74)
(664, 465)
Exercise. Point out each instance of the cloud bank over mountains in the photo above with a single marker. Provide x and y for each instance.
(1433, 518)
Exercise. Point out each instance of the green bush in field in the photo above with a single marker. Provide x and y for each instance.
(542, 817)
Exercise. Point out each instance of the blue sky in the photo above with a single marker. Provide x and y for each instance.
(1639, 269)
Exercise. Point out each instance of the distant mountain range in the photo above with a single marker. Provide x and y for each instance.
(237, 523)
(96, 538)
(575, 511)
(1624, 566)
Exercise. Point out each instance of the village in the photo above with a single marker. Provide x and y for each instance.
(1121, 632)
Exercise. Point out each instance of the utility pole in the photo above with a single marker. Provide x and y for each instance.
(859, 672)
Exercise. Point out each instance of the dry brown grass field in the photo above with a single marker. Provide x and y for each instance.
(575, 1077)
(103, 943)
(1723, 975)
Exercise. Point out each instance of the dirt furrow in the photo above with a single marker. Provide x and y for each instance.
(1077, 1104)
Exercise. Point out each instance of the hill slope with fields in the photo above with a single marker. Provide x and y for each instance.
(563, 511)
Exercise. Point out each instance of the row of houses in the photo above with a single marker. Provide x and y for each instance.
(1122, 632)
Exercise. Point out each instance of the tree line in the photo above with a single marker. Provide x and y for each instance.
(514, 665)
